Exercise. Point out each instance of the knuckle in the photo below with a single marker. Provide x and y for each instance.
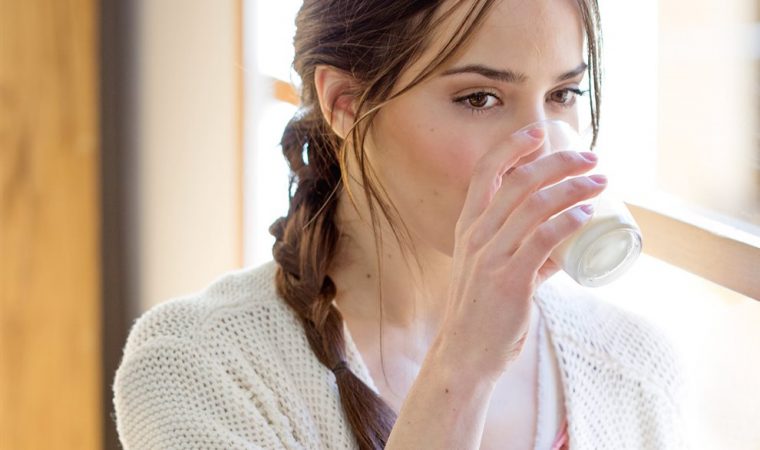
(545, 235)
(539, 199)
(474, 239)
(567, 157)
(485, 262)
(577, 187)
(523, 173)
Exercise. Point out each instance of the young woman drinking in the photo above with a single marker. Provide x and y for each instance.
(409, 304)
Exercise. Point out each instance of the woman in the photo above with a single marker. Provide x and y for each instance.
(409, 306)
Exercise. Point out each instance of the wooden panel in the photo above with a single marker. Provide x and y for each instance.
(717, 257)
(49, 303)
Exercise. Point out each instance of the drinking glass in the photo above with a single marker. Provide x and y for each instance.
(610, 242)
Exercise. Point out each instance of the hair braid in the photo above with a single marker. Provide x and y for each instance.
(306, 241)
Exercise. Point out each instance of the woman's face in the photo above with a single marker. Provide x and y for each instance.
(523, 64)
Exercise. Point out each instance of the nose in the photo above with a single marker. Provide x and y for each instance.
(558, 136)
(534, 118)
(531, 116)
(537, 110)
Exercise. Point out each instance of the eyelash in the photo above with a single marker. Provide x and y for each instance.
(463, 99)
(576, 91)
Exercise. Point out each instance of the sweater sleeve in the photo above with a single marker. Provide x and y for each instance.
(169, 395)
(664, 371)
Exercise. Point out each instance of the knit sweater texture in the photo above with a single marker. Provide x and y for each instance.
(230, 368)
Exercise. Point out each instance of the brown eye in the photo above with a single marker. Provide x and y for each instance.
(565, 97)
(561, 96)
(478, 100)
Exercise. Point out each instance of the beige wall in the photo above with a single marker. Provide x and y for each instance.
(186, 195)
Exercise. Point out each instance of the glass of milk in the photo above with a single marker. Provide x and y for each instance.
(608, 244)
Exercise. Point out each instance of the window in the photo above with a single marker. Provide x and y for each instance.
(680, 133)
(269, 30)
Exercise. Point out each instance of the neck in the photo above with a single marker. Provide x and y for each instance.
(407, 292)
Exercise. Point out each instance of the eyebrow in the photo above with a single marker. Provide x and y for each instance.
(509, 76)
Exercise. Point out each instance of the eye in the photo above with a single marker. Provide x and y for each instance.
(479, 101)
(566, 97)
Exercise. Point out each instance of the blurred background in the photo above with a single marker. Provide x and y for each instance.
(139, 162)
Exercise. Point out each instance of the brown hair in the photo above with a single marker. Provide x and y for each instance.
(374, 41)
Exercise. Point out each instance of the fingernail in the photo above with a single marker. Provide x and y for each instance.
(598, 179)
(588, 209)
(534, 133)
(589, 156)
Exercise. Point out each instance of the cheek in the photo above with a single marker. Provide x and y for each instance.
(435, 154)
(424, 155)
(450, 154)
(426, 161)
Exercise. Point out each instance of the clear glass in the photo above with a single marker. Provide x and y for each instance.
(608, 245)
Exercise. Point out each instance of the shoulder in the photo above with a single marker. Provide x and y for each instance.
(577, 316)
(191, 317)
(237, 317)
(189, 373)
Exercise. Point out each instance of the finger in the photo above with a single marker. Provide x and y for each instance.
(486, 176)
(548, 269)
(525, 180)
(539, 207)
(535, 250)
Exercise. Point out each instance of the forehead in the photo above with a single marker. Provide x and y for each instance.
(539, 38)
(527, 31)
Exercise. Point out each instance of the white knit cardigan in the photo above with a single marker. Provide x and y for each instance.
(230, 368)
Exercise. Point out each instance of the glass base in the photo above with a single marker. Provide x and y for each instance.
(608, 257)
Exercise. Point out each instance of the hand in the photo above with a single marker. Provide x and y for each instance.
(503, 239)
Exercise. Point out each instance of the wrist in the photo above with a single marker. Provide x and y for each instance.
(461, 367)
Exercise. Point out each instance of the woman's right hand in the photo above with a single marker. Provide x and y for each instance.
(503, 239)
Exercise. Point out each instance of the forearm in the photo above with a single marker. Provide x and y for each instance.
(445, 408)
